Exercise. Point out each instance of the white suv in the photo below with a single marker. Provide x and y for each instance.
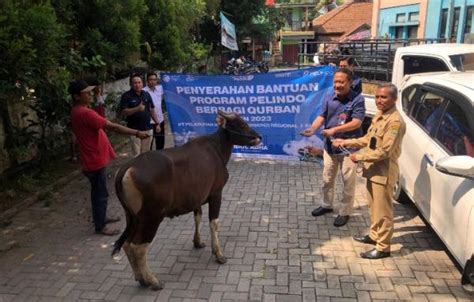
(437, 160)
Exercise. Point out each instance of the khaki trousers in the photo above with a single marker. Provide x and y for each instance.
(141, 145)
(332, 164)
(379, 198)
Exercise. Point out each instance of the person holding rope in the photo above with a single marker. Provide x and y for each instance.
(95, 150)
(342, 115)
(381, 150)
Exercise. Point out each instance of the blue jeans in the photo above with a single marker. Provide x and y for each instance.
(99, 196)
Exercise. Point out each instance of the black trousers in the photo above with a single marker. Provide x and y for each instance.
(99, 196)
(159, 137)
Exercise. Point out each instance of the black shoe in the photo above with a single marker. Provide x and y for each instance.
(341, 220)
(320, 211)
(365, 239)
(374, 254)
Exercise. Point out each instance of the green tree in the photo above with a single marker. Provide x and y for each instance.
(31, 46)
(243, 14)
(105, 31)
(169, 33)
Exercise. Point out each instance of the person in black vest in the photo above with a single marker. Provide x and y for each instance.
(137, 106)
(348, 62)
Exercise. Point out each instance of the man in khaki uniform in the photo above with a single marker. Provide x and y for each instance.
(381, 150)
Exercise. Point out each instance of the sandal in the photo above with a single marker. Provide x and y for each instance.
(110, 219)
(108, 231)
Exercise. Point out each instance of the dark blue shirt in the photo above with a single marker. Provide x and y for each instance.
(356, 84)
(341, 111)
(138, 120)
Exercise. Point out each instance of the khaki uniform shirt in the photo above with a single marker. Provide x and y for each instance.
(381, 147)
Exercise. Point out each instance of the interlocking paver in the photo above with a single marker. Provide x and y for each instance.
(276, 250)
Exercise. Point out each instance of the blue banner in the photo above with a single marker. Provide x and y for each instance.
(228, 36)
(278, 105)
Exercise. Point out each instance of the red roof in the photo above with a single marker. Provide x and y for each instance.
(344, 19)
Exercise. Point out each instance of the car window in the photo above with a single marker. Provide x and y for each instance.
(454, 132)
(428, 110)
(419, 64)
(408, 98)
(463, 62)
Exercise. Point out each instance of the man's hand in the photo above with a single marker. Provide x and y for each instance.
(157, 128)
(353, 158)
(309, 131)
(141, 107)
(338, 142)
(142, 134)
(328, 132)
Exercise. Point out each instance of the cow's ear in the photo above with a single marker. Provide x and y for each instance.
(220, 121)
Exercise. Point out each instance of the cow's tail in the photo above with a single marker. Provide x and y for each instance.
(120, 194)
(118, 244)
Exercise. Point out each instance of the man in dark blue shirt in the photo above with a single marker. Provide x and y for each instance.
(342, 114)
(137, 106)
(348, 62)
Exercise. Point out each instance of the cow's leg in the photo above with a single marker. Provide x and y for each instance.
(197, 234)
(139, 249)
(214, 209)
(132, 261)
(216, 246)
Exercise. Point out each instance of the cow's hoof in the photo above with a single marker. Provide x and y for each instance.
(142, 283)
(221, 259)
(157, 286)
(199, 245)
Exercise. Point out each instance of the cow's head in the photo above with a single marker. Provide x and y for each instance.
(239, 132)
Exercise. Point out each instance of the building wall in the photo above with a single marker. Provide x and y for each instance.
(295, 23)
(433, 24)
(385, 11)
(387, 20)
(383, 8)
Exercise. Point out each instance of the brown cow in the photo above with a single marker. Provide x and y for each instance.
(176, 181)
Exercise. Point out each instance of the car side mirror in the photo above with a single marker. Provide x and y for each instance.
(459, 165)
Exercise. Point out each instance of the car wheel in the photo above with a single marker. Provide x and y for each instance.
(398, 194)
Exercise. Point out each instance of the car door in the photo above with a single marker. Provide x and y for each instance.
(452, 197)
(418, 103)
(437, 127)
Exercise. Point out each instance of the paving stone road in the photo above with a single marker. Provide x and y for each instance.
(276, 250)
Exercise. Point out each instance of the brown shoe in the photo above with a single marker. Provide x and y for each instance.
(110, 219)
(108, 231)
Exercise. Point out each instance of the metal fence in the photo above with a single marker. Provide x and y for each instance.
(373, 58)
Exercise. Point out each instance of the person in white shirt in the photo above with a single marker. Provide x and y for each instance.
(155, 89)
